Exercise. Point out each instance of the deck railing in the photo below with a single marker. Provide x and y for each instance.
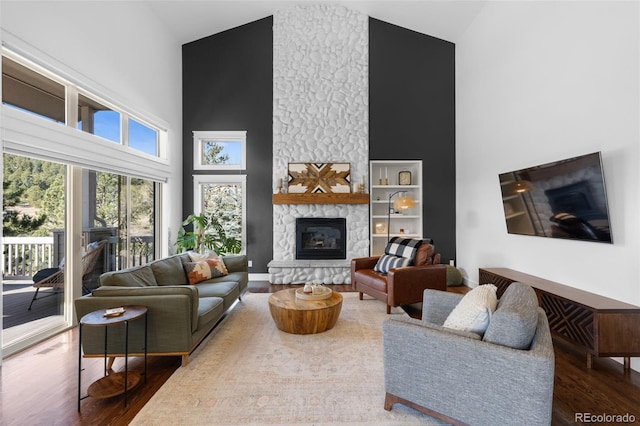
(24, 256)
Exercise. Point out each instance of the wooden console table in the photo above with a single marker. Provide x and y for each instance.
(602, 326)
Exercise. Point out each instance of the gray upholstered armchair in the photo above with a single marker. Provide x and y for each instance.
(504, 377)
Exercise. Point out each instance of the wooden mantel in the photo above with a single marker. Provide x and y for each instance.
(333, 198)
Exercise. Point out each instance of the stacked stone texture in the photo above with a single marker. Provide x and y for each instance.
(320, 115)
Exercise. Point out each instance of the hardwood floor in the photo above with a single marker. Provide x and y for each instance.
(39, 385)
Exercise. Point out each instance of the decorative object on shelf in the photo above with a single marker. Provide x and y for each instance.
(404, 177)
(319, 178)
(279, 186)
(400, 203)
(381, 228)
(386, 177)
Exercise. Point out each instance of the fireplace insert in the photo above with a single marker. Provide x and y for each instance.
(321, 238)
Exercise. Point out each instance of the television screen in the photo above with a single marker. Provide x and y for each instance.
(563, 199)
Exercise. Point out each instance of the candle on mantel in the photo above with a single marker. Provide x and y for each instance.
(380, 173)
(386, 176)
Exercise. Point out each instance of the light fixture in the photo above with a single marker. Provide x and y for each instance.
(400, 203)
(520, 186)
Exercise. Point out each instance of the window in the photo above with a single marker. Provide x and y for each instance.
(223, 196)
(68, 178)
(28, 90)
(98, 119)
(143, 138)
(219, 150)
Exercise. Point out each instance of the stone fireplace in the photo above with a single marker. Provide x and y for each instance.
(320, 115)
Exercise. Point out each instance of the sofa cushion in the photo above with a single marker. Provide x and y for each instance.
(209, 310)
(227, 290)
(387, 261)
(138, 276)
(515, 320)
(474, 310)
(169, 271)
(403, 247)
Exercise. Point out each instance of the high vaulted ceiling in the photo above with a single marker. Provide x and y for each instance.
(191, 20)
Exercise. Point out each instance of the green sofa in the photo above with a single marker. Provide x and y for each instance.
(179, 315)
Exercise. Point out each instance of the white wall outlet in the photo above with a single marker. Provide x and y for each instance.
(250, 263)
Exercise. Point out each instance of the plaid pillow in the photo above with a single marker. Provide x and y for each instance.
(386, 262)
(403, 247)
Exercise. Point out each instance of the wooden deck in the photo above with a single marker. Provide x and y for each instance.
(16, 296)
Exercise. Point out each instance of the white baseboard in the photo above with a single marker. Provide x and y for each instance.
(259, 277)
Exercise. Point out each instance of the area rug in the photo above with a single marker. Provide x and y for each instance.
(248, 372)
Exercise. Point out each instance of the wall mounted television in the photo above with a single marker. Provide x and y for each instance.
(563, 199)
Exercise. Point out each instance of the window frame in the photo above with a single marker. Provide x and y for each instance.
(32, 135)
(199, 180)
(200, 137)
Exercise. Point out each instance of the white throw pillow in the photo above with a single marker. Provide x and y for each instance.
(474, 310)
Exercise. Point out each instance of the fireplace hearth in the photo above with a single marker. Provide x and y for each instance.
(321, 238)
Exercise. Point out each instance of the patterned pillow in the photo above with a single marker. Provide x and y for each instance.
(403, 247)
(202, 270)
(215, 261)
(197, 271)
(474, 310)
(386, 262)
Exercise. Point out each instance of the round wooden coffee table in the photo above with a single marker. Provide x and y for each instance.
(298, 316)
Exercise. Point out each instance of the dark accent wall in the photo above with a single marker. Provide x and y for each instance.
(227, 82)
(227, 85)
(412, 116)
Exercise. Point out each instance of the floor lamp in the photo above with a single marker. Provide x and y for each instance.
(400, 203)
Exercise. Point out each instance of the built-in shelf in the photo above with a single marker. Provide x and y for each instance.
(333, 198)
(385, 181)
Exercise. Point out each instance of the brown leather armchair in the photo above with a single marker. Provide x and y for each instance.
(400, 286)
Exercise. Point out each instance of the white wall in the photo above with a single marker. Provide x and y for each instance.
(538, 82)
(117, 49)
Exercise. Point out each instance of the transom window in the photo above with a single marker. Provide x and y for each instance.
(214, 150)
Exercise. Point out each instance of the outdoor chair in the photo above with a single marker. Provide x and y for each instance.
(56, 280)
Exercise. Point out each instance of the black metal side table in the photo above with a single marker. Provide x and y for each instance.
(115, 383)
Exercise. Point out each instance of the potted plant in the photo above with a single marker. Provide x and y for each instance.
(206, 233)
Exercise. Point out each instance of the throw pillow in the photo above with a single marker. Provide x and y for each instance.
(386, 262)
(454, 276)
(215, 261)
(197, 271)
(219, 266)
(474, 310)
(403, 247)
(201, 271)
